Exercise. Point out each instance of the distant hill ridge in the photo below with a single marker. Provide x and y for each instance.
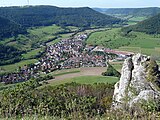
(150, 26)
(30, 16)
(149, 11)
(47, 15)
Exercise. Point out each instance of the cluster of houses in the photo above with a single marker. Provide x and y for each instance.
(66, 54)
(71, 53)
(23, 74)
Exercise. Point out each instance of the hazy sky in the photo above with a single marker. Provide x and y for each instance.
(89, 3)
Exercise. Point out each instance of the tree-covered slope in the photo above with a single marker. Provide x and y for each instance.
(48, 15)
(9, 54)
(8, 28)
(150, 26)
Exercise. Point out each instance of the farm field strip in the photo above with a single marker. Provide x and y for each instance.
(86, 80)
(93, 71)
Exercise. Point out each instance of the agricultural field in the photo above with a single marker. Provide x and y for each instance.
(131, 19)
(59, 38)
(86, 75)
(32, 53)
(134, 42)
(155, 52)
(135, 19)
(62, 72)
(86, 80)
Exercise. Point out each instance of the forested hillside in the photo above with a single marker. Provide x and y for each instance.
(48, 15)
(150, 26)
(24, 17)
(8, 28)
(9, 55)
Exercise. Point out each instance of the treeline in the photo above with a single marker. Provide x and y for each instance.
(111, 71)
(9, 54)
(149, 26)
(67, 101)
(70, 100)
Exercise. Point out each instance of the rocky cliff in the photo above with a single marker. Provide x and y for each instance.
(139, 82)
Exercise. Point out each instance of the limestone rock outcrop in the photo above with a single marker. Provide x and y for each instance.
(134, 85)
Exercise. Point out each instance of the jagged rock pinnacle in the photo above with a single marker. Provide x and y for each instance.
(134, 85)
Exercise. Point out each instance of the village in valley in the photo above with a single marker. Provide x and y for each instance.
(67, 54)
(79, 60)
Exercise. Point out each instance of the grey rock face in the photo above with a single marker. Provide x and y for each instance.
(133, 86)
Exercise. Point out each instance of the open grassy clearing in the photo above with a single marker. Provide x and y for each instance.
(135, 42)
(45, 30)
(131, 22)
(86, 80)
(14, 67)
(60, 37)
(137, 18)
(107, 38)
(32, 53)
(131, 19)
(76, 72)
(64, 73)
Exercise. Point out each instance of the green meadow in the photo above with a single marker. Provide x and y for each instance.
(137, 18)
(134, 42)
(86, 80)
(32, 53)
